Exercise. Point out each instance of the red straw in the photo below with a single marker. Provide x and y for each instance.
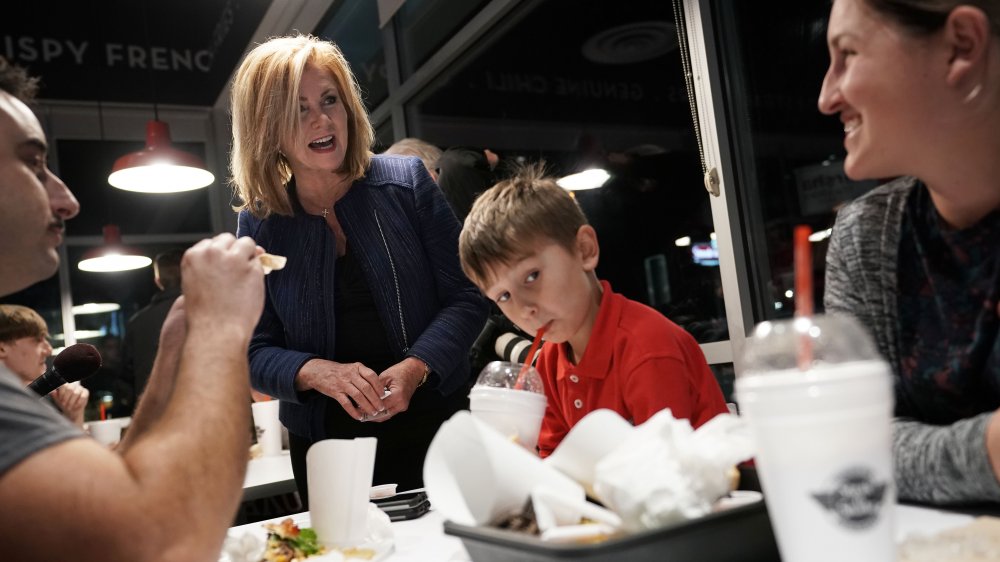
(519, 383)
(803, 290)
(104, 411)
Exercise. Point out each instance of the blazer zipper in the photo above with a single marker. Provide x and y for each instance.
(395, 279)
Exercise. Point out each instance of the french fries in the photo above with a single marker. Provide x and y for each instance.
(271, 262)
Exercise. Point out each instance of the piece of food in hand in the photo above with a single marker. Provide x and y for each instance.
(256, 451)
(271, 262)
(287, 543)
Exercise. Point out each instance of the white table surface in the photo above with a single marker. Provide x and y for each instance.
(268, 476)
(417, 540)
(423, 539)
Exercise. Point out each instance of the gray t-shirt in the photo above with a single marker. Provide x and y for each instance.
(27, 424)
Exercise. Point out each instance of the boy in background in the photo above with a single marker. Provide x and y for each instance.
(25, 349)
(528, 246)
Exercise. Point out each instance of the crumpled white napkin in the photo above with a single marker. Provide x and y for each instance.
(666, 472)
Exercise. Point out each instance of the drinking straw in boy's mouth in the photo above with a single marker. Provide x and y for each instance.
(519, 383)
(803, 290)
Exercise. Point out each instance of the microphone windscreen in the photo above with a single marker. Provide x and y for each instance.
(514, 348)
(77, 362)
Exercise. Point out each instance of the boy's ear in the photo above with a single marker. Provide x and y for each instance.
(587, 247)
(967, 33)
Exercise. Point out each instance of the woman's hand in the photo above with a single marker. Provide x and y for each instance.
(72, 400)
(344, 382)
(402, 380)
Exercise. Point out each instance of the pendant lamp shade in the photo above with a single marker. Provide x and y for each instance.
(112, 256)
(159, 168)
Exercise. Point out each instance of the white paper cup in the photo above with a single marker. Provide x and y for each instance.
(473, 475)
(267, 426)
(824, 458)
(515, 414)
(106, 432)
(339, 472)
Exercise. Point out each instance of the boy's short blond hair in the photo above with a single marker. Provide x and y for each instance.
(508, 219)
(18, 322)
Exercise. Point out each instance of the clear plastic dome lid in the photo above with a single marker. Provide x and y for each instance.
(503, 374)
(807, 342)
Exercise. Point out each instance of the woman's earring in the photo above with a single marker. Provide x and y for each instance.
(973, 93)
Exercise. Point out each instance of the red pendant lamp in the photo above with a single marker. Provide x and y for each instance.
(159, 168)
(113, 255)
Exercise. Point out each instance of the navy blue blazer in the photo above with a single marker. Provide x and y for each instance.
(406, 238)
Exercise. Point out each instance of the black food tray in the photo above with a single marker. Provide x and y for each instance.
(738, 534)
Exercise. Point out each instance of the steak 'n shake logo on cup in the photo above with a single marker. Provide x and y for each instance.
(856, 499)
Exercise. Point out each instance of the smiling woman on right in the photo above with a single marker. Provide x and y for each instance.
(917, 85)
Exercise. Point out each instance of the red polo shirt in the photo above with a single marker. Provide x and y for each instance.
(636, 363)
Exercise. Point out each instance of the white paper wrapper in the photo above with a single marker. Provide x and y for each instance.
(473, 475)
(339, 472)
(267, 426)
(666, 472)
(591, 439)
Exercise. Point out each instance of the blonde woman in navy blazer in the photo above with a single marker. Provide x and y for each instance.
(373, 298)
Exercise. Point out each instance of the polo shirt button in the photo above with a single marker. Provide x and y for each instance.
(574, 378)
(578, 403)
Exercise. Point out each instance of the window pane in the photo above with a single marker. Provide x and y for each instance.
(353, 26)
(424, 25)
(726, 375)
(383, 136)
(788, 156)
(130, 290)
(606, 91)
(43, 298)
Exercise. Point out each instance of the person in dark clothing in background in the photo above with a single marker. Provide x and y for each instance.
(463, 173)
(142, 335)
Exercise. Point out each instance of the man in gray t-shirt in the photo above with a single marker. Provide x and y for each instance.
(27, 424)
(172, 486)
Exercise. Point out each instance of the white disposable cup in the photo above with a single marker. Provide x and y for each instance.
(106, 432)
(267, 426)
(339, 472)
(473, 475)
(516, 414)
(824, 458)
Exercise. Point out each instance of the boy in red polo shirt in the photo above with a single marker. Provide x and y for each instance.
(527, 245)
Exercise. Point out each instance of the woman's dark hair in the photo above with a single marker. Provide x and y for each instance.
(923, 17)
(15, 81)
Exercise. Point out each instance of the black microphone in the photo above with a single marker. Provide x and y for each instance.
(74, 363)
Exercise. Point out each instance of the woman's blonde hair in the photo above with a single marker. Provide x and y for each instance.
(265, 111)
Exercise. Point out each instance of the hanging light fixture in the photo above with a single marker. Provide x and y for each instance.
(95, 308)
(587, 179)
(112, 256)
(158, 168)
